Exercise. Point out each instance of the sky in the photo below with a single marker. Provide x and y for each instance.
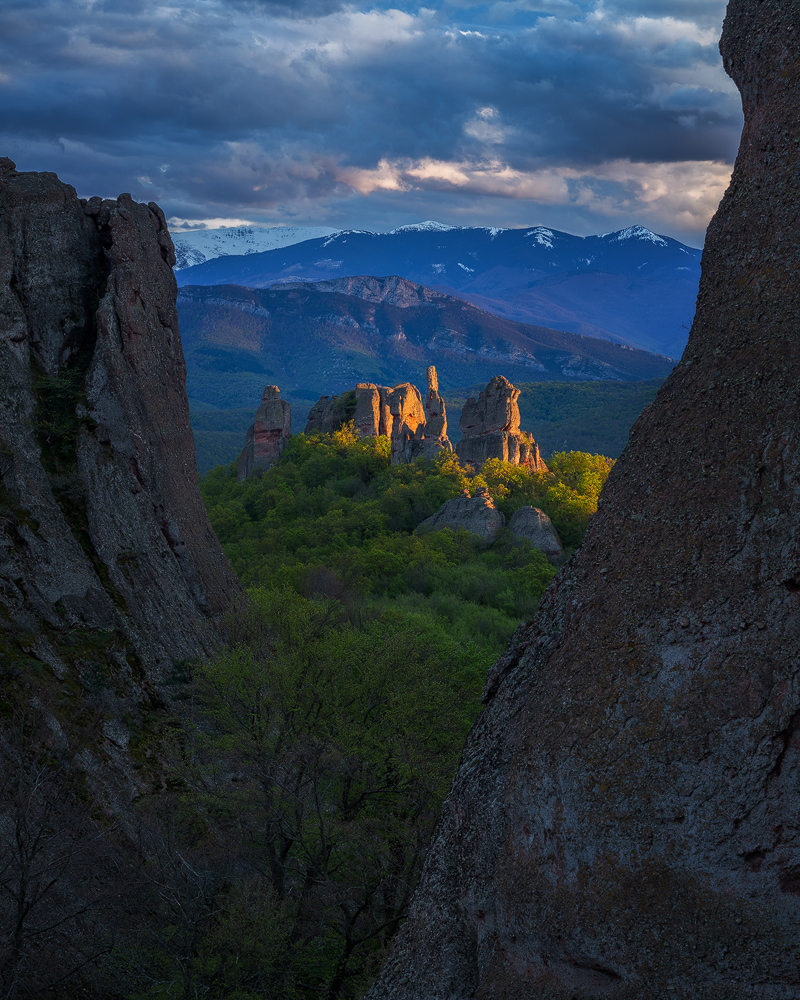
(586, 116)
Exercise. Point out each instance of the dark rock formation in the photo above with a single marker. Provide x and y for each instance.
(625, 821)
(268, 434)
(398, 413)
(477, 514)
(490, 428)
(534, 525)
(103, 535)
(329, 413)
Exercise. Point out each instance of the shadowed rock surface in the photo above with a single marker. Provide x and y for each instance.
(104, 540)
(490, 428)
(477, 514)
(625, 821)
(268, 434)
(534, 525)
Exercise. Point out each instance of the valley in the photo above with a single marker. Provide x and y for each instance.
(631, 286)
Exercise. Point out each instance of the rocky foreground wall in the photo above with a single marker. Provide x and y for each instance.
(625, 821)
(106, 553)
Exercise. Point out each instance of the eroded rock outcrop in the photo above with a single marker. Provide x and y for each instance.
(490, 428)
(267, 435)
(535, 526)
(625, 821)
(435, 434)
(103, 535)
(414, 428)
(477, 514)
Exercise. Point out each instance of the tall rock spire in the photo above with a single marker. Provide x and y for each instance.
(104, 539)
(267, 435)
(625, 821)
(490, 428)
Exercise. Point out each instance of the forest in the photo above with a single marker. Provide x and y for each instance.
(297, 775)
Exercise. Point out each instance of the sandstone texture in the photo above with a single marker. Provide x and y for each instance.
(490, 428)
(477, 514)
(413, 427)
(535, 526)
(268, 434)
(103, 535)
(435, 434)
(625, 820)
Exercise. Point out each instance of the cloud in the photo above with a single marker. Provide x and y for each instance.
(683, 194)
(320, 111)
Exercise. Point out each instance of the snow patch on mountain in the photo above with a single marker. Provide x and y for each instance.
(636, 233)
(424, 227)
(542, 236)
(200, 245)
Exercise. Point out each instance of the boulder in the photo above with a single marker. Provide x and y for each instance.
(534, 525)
(477, 514)
(490, 428)
(267, 435)
(625, 819)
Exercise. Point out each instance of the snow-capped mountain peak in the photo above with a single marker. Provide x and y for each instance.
(542, 236)
(637, 233)
(424, 227)
(199, 245)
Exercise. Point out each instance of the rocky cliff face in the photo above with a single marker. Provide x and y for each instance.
(414, 428)
(103, 536)
(267, 435)
(490, 428)
(625, 819)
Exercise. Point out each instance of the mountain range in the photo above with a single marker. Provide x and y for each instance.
(632, 287)
(315, 338)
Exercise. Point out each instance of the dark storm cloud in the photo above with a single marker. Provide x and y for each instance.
(273, 109)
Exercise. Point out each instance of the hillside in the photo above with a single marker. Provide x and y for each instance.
(629, 286)
(314, 339)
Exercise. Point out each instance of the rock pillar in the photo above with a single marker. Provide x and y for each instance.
(268, 434)
(490, 428)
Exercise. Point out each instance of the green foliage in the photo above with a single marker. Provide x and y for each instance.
(334, 503)
(318, 750)
(319, 744)
(219, 435)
